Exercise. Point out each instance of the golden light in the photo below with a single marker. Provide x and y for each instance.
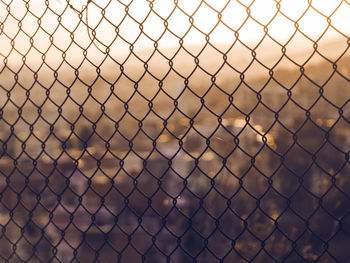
(195, 19)
(114, 25)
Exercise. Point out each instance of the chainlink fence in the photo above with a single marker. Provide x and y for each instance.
(174, 131)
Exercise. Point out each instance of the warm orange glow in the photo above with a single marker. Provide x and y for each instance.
(128, 16)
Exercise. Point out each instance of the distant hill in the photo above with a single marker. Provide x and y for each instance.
(183, 63)
(238, 56)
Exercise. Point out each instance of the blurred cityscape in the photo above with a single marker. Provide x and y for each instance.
(238, 169)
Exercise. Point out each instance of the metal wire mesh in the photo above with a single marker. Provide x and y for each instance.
(188, 152)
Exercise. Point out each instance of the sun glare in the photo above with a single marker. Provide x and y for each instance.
(195, 21)
(113, 26)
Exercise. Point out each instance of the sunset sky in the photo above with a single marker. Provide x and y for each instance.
(205, 21)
